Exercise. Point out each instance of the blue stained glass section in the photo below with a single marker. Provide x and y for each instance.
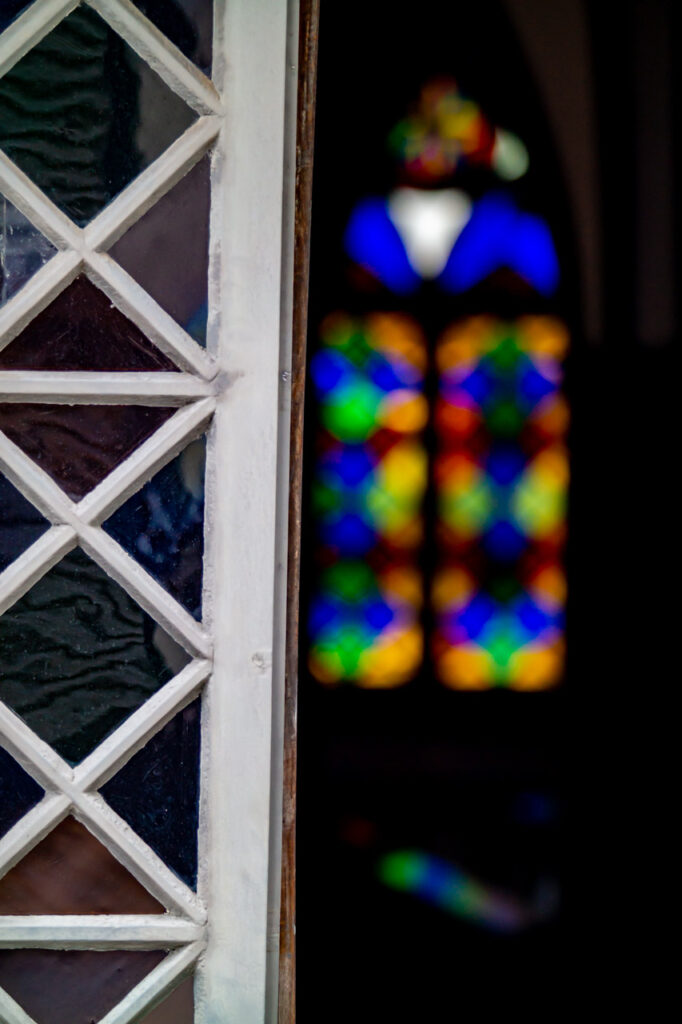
(372, 240)
(23, 250)
(22, 523)
(157, 792)
(18, 792)
(11, 9)
(162, 526)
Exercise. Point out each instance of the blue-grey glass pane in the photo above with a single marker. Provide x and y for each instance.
(11, 9)
(157, 792)
(20, 523)
(82, 114)
(187, 23)
(23, 250)
(167, 250)
(18, 792)
(162, 526)
(55, 986)
(79, 656)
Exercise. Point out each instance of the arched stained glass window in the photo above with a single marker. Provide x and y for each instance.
(440, 477)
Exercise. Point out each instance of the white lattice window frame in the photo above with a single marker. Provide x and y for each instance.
(236, 390)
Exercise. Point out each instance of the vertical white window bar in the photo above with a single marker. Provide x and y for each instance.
(237, 389)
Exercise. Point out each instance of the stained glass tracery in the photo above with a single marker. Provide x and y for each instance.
(452, 242)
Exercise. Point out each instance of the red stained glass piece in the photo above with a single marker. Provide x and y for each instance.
(74, 987)
(78, 445)
(71, 872)
(82, 330)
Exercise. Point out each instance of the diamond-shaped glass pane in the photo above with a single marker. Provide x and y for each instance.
(71, 872)
(82, 330)
(162, 526)
(11, 9)
(75, 986)
(187, 23)
(82, 114)
(167, 250)
(23, 250)
(79, 656)
(22, 523)
(18, 792)
(78, 445)
(157, 792)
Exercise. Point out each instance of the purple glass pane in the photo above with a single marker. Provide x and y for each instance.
(23, 250)
(82, 330)
(187, 23)
(162, 526)
(18, 792)
(157, 792)
(83, 115)
(20, 523)
(74, 987)
(177, 1009)
(71, 872)
(167, 250)
(79, 656)
(78, 445)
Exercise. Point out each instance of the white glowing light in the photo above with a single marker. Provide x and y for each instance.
(429, 224)
(510, 156)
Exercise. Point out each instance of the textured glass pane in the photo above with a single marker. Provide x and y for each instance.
(177, 1009)
(71, 872)
(79, 445)
(72, 987)
(157, 792)
(82, 114)
(18, 792)
(10, 9)
(162, 526)
(187, 23)
(82, 330)
(23, 250)
(79, 655)
(20, 523)
(167, 250)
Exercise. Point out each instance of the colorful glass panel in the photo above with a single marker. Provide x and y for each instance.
(71, 872)
(82, 114)
(369, 482)
(10, 10)
(502, 477)
(79, 656)
(23, 250)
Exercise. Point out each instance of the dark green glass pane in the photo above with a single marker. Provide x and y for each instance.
(162, 526)
(166, 251)
(187, 23)
(82, 330)
(71, 872)
(23, 250)
(157, 792)
(20, 523)
(79, 656)
(75, 986)
(18, 792)
(78, 445)
(82, 114)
